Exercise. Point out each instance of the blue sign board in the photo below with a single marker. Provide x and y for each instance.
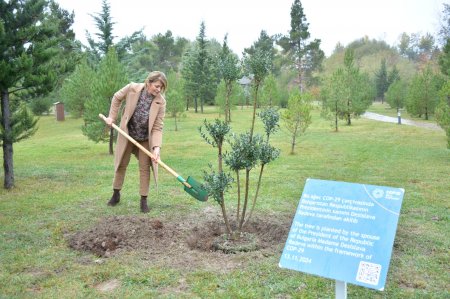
(344, 231)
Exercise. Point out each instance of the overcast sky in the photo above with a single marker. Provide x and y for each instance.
(332, 21)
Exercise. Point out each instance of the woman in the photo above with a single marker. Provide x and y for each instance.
(142, 119)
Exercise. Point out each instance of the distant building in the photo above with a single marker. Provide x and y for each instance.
(246, 82)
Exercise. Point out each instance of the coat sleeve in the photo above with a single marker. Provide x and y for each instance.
(116, 101)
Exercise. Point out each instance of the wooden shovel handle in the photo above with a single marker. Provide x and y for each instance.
(164, 165)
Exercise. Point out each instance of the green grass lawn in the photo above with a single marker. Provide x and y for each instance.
(63, 182)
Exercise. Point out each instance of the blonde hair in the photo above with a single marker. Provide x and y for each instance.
(157, 76)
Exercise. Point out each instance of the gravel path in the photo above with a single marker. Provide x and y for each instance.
(380, 117)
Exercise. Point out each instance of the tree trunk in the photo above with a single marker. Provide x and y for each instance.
(201, 105)
(300, 77)
(222, 203)
(293, 143)
(195, 105)
(256, 196)
(254, 110)
(225, 216)
(349, 115)
(244, 209)
(238, 210)
(8, 165)
(227, 103)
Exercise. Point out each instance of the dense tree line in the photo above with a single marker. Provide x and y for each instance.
(40, 61)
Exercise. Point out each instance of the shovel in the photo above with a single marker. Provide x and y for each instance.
(191, 186)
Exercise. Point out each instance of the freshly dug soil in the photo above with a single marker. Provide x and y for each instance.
(196, 239)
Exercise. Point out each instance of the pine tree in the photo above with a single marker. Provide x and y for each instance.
(105, 37)
(103, 22)
(109, 78)
(443, 110)
(270, 92)
(77, 89)
(174, 97)
(34, 35)
(203, 62)
(422, 96)
(306, 55)
(347, 93)
(381, 80)
(297, 116)
(396, 95)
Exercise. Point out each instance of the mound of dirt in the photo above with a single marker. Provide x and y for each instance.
(160, 238)
(119, 233)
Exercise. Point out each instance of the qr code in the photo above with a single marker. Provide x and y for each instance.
(368, 273)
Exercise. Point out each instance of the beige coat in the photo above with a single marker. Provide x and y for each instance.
(130, 93)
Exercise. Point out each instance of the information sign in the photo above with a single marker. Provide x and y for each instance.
(344, 231)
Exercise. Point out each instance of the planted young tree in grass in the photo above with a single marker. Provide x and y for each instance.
(423, 93)
(217, 183)
(305, 55)
(381, 80)
(360, 91)
(110, 77)
(225, 101)
(297, 116)
(347, 93)
(247, 151)
(333, 97)
(77, 89)
(175, 100)
(396, 95)
(270, 92)
(270, 118)
(245, 154)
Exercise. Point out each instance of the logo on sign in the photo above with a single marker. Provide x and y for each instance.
(378, 193)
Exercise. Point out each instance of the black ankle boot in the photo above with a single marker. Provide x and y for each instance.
(115, 198)
(144, 206)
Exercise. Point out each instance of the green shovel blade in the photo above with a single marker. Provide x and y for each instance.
(196, 190)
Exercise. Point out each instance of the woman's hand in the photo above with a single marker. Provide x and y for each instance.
(156, 152)
(108, 121)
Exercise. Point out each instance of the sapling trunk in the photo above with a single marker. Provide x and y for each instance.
(239, 197)
(222, 202)
(256, 195)
(254, 110)
(244, 209)
(294, 135)
(224, 214)
(227, 102)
